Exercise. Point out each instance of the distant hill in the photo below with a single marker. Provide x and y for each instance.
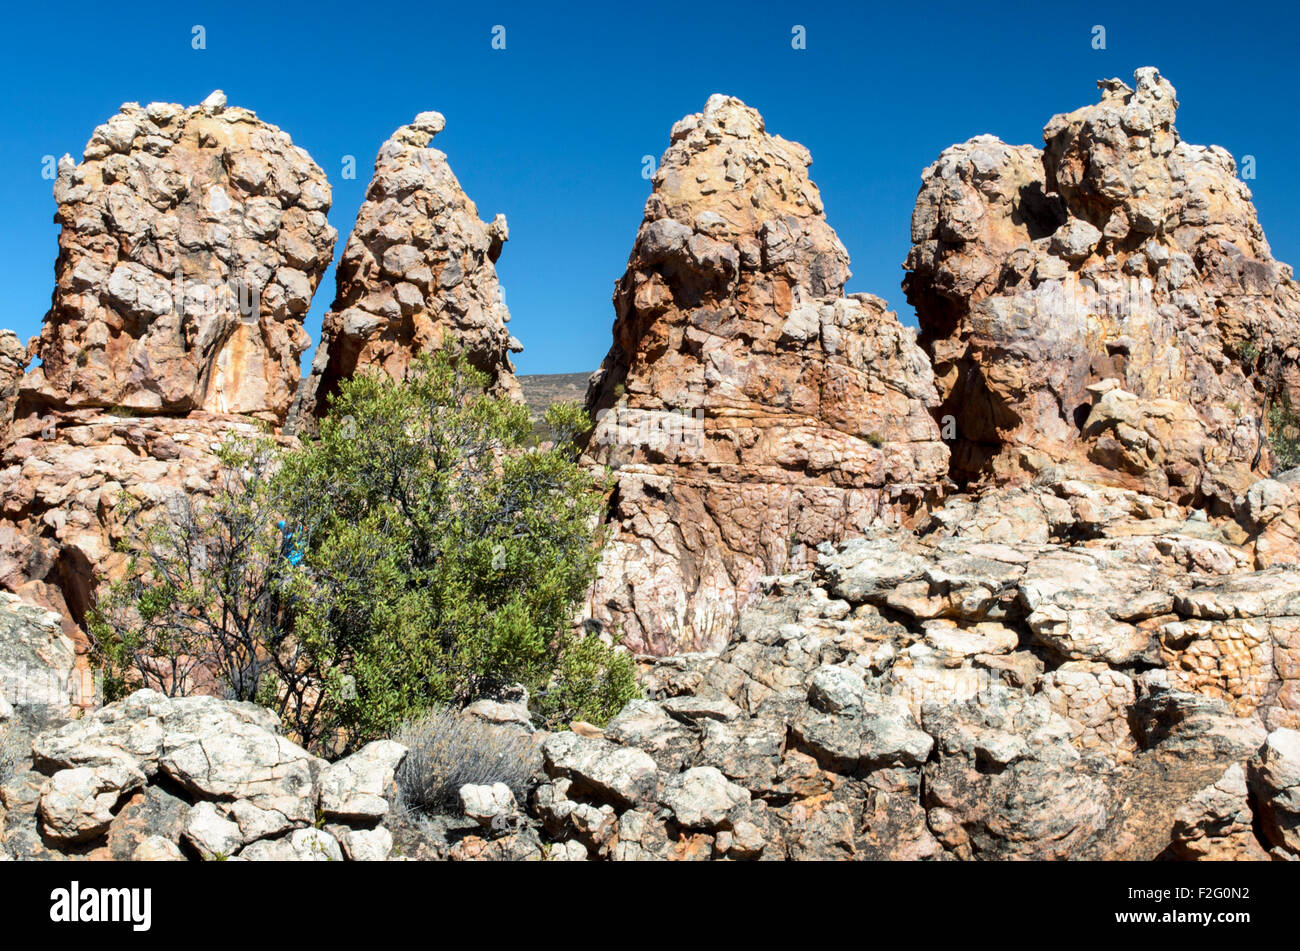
(541, 390)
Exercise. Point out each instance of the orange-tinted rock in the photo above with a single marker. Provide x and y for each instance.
(63, 479)
(750, 411)
(419, 265)
(192, 242)
(1108, 306)
(13, 361)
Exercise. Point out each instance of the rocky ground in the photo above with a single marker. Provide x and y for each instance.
(1055, 672)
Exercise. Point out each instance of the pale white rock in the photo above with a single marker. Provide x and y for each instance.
(367, 845)
(157, 848)
(628, 776)
(211, 834)
(355, 787)
(703, 798)
(486, 803)
(78, 804)
(301, 845)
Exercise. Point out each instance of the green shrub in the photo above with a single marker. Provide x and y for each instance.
(444, 561)
(1284, 435)
(449, 749)
(592, 682)
(202, 605)
(414, 554)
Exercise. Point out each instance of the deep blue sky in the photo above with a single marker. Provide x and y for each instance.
(551, 130)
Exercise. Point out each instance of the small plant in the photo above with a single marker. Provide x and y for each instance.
(1249, 352)
(1284, 435)
(874, 439)
(449, 749)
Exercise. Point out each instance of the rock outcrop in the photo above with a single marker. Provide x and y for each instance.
(418, 266)
(64, 483)
(192, 242)
(1108, 305)
(13, 363)
(748, 408)
(1087, 646)
(39, 678)
(1060, 672)
(151, 777)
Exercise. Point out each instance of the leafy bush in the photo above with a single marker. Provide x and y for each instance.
(591, 683)
(202, 603)
(415, 554)
(449, 749)
(445, 562)
(1284, 435)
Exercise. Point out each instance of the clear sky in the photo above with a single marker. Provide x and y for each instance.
(552, 129)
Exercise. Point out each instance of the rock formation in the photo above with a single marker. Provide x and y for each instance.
(748, 408)
(1108, 305)
(1088, 646)
(418, 266)
(192, 242)
(13, 362)
(151, 777)
(1055, 672)
(39, 680)
(63, 484)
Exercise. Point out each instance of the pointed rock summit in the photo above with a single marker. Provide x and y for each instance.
(749, 410)
(419, 265)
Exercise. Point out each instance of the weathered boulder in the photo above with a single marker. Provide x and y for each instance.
(1275, 780)
(211, 834)
(356, 787)
(366, 845)
(1216, 824)
(192, 242)
(301, 845)
(79, 803)
(748, 408)
(702, 798)
(158, 778)
(487, 803)
(156, 848)
(213, 749)
(39, 680)
(626, 775)
(1108, 305)
(418, 267)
